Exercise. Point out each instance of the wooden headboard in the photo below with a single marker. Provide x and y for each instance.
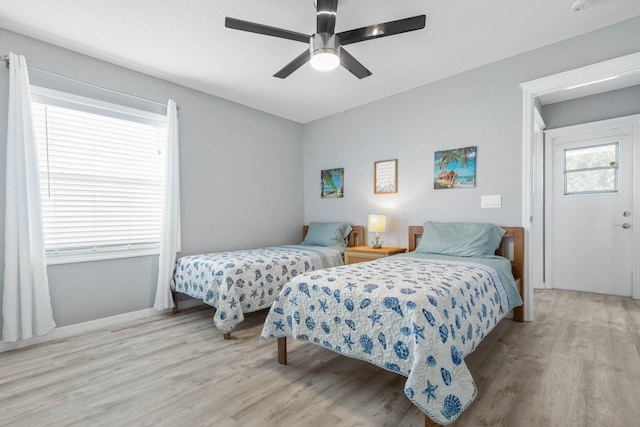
(356, 237)
(515, 234)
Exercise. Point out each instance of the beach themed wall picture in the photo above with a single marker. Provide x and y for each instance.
(332, 183)
(455, 168)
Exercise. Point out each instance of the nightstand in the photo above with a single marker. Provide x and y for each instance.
(367, 253)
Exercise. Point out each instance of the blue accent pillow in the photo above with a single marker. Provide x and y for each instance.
(468, 239)
(330, 234)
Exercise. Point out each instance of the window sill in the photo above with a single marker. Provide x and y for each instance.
(53, 259)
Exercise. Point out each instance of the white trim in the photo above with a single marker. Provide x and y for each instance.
(528, 107)
(598, 126)
(65, 99)
(635, 137)
(93, 325)
(538, 189)
(585, 75)
(69, 257)
(554, 83)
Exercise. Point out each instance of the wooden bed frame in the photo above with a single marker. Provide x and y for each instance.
(515, 234)
(357, 237)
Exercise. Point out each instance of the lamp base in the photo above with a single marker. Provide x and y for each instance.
(377, 243)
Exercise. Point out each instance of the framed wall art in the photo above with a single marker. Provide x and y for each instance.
(455, 168)
(385, 177)
(332, 183)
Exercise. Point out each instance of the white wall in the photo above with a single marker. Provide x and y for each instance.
(481, 107)
(231, 159)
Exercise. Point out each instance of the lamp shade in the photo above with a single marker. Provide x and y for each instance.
(377, 223)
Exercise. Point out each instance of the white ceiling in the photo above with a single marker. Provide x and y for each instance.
(186, 42)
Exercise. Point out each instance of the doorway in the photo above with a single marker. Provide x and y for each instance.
(573, 80)
(588, 208)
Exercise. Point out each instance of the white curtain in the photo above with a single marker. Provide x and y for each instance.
(26, 304)
(170, 243)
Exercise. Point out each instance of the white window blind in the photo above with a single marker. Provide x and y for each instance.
(101, 176)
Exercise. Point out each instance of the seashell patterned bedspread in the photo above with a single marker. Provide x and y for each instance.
(238, 282)
(416, 317)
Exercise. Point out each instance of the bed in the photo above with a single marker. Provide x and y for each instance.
(416, 314)
(238, 282)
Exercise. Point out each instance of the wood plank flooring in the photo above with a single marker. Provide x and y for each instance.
(578, 364)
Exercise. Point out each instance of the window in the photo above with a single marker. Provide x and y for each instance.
(101, 177)
(591, 169)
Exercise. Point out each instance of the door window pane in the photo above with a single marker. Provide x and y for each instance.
(592, 181)
(591, 157)
(591, 169)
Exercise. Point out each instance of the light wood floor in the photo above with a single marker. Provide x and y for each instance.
(578, 364)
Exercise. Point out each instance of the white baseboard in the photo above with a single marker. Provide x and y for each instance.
(92, 325)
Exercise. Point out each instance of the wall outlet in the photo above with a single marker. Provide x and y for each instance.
(491, 202)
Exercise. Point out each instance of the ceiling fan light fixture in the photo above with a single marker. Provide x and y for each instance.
(326, 60)
(325, 51)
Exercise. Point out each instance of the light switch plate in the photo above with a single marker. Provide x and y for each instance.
(491, 202)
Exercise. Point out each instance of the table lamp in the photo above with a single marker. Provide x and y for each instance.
(377, 224)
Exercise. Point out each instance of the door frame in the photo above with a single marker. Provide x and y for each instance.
(556, 83)
(591, 128)
(537, 248)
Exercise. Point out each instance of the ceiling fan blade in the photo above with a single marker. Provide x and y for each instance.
(382, 30)
(326, 16)
(238, 24)
(292, 66)
(353, 65)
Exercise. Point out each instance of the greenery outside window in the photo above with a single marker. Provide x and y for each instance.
(592, 169)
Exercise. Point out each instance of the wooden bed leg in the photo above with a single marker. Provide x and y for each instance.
(175, 302)
(428, 422)
(518, 314)
(227, 336)
(282, 350)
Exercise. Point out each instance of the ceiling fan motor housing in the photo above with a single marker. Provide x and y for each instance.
(324, 43)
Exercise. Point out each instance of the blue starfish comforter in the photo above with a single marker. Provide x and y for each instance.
(240, 282)
(410, 314)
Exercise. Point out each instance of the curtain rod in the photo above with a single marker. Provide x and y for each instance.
(5, 58)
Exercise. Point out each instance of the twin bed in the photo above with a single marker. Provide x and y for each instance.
(241, 282)
(417, 314)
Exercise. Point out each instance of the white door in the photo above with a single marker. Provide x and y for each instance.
(589, 238)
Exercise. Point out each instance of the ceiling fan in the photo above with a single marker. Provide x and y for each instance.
(326, 47)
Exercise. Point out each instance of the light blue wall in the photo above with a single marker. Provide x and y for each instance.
(231, 157)
(227, 197)
(481, 107)
(616, 103)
